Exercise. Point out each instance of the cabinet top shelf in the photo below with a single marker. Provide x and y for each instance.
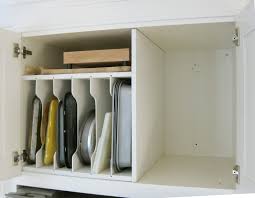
(78, 76)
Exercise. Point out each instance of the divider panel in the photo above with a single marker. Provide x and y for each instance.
(147, 104)
(44, 91)
(85, 103)
(60, 88)
(112, 81)
(100, 90)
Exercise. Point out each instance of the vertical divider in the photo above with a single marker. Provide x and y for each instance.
(44, 91)
(85, 103)
(100, 90)
(60, 88)
(112, 81)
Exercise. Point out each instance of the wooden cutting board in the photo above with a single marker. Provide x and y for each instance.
(97, 56)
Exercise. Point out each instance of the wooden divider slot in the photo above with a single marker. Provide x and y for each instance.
(60, 88)
(100, 90)
(85, 103)
(44, 91)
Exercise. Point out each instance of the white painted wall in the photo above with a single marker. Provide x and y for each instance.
(199, 103)
(30, 15)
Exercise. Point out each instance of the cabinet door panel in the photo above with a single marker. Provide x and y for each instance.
(10, 82)
(246, 99)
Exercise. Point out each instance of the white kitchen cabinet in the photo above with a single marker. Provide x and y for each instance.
(193, 107)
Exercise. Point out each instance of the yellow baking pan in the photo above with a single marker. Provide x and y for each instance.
(50, 142)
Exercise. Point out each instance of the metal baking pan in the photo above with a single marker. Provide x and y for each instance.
(44, 123)
(122, 125)
(50, 144)
(88, 138)
(60, 136)
(70, 128)
(34, 140)
(114, 123)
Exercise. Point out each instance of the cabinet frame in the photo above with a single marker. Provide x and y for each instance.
(246, 30)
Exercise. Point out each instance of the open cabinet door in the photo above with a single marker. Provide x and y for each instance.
(10, 83)
(246, 99)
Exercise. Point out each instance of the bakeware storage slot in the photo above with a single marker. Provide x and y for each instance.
(85, 104)
(103, 151)
(44, 91)
(116, 118)
(90, 91)
(100, 90)
(60, 88)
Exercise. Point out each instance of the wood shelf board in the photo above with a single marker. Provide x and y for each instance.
(125, 175)
(97, 56)
(83, 172)
(78, 76)
(35, 70)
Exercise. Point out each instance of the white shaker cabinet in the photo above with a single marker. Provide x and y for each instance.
(193, 106)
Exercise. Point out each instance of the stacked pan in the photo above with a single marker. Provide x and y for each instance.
(34, 142)
(67, 133)
(88, 138)
(55, 129)
(122, 125)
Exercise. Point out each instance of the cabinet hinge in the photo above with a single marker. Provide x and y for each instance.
(236, 37)
(236, 173)
(17, 51)
(19, 157)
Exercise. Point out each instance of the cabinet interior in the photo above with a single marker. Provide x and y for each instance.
(197, 98)
(90, 92)
(184, 90)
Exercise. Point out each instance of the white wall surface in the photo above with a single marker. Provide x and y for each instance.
(38, 15)
(199, 103)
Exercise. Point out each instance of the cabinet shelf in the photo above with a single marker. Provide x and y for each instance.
(191, 171)
(84, 172)
(78, 76)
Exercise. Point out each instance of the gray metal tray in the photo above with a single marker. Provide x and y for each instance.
(122, 125)
(60, 136)
(34, 142)
(88, 138)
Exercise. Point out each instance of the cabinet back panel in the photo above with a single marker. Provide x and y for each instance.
(199, 103)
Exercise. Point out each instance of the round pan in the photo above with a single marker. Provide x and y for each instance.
(88, 138)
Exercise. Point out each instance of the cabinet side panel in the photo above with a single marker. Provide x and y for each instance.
(148, 60)
(199, 102)
(245, 99)
(10, 81)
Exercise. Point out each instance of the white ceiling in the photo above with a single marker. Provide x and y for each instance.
(46, 15)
